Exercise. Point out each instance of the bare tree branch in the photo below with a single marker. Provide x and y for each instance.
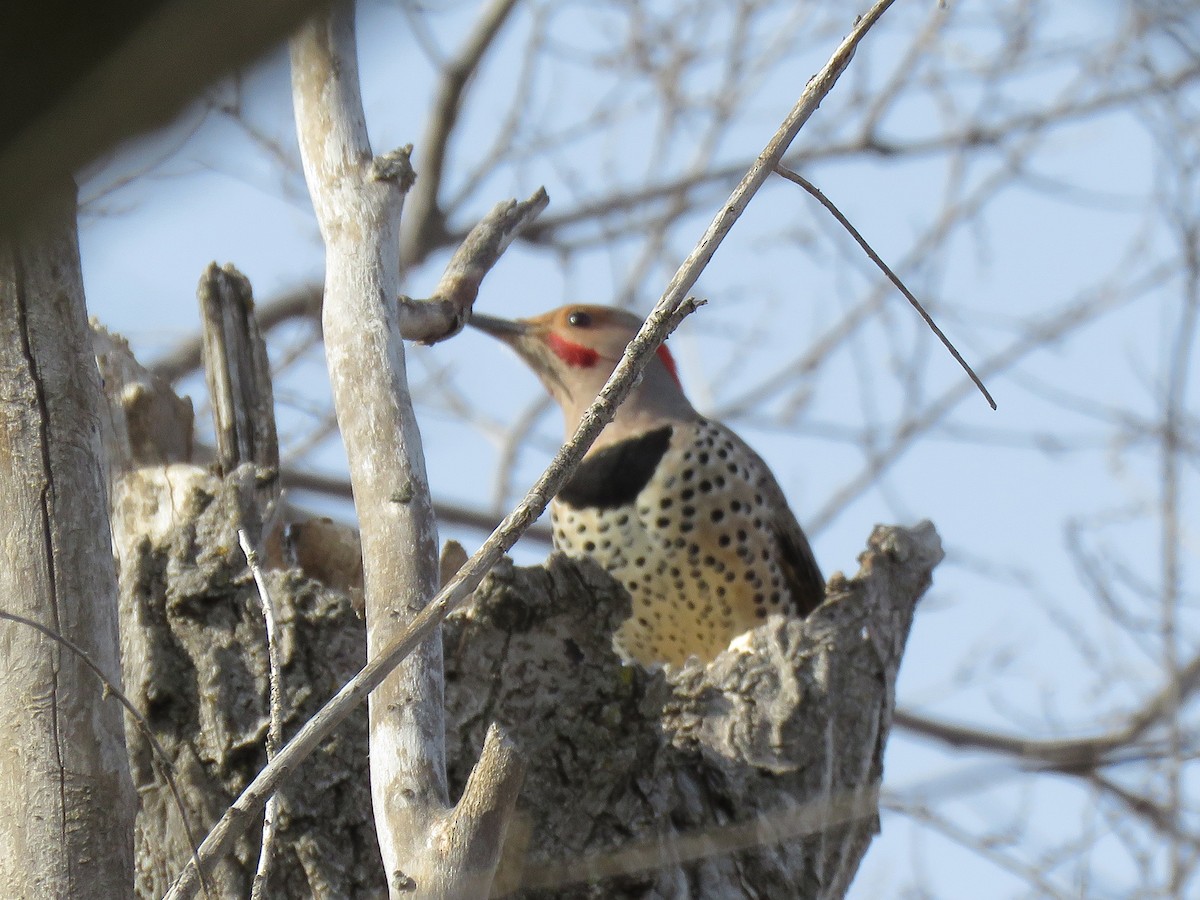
(446, 311)
(358, 200)
(275, 725)
(1068, 755)
(668, 312)
(425, 225)
(892, 277)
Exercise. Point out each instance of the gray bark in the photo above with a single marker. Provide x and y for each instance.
(195, 660)
(756, 776)
(66, 800)
(430, 848)
(237, 372)
(196, 664)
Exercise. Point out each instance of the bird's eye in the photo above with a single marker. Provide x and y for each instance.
(579, 319)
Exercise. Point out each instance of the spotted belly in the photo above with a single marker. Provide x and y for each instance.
(694, 547)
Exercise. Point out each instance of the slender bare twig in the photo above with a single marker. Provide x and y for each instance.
(670, 310)
(796, 178)
(865, 144)
(339, 487)
(446, 311)
(1067, 755)
(856, 318)
(512, 445)
(1174, 415)
(425, 219)
(703, 843)
(275, 720)
(1147, 809)
(986, 849)
(907, 433)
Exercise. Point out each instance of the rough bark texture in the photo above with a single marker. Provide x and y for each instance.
(652, 785)
(754, 776)
(66, 801)
(195, 660)
(237, 371)
(196, 664)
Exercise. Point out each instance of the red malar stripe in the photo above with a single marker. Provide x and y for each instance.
(572, 354)
(585, 357)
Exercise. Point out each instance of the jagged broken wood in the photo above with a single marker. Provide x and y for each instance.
(444, 313)
(756, 775)
(237, 371)
(763, 765)
(196, 664)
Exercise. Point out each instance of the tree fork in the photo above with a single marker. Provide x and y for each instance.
(429, 848)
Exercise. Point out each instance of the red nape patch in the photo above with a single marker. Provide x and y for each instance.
(669, 361)
(572, 354)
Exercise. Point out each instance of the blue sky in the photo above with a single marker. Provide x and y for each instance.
(1017, 651)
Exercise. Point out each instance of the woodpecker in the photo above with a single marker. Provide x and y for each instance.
(674, 505)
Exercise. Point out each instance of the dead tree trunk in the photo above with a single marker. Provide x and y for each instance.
(754, 776)
(66, 801)
(430, 847)
(193, 641)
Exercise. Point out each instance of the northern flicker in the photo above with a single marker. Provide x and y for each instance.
(675, 506)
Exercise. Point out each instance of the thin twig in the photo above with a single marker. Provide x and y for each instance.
(165, 766)
(275, 723)
(1067, 755)
(1042, 333)
(704, 843)
(670, 310)
(339, 487)
(796, 178)
(428, 227)
(446, 311)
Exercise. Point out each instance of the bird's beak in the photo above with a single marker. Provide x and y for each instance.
(504, 329)
(527, 338)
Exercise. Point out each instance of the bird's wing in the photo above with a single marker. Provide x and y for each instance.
(804, 580)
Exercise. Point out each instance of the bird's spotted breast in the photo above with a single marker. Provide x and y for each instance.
(695, 544)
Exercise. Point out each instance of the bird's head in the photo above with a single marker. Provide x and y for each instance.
(574, 349)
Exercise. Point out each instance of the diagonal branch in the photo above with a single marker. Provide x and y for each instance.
(446, 311)
(1078, 756)
(670, 310)
(816, 192)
